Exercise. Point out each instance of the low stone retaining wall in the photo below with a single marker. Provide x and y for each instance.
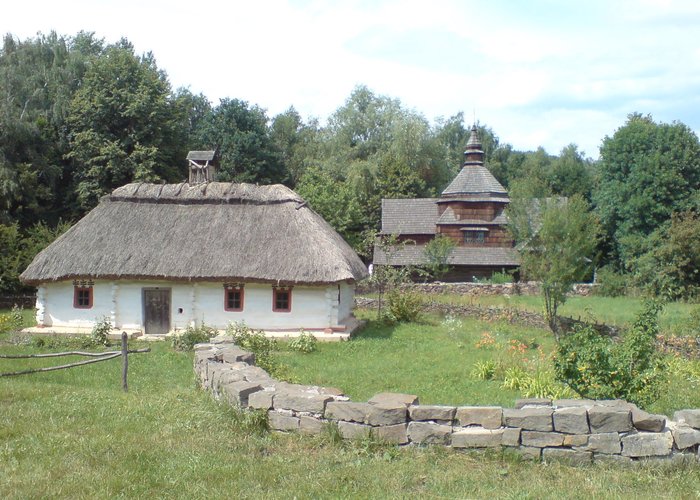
(479, 289)
(493, 313)
(577, 431)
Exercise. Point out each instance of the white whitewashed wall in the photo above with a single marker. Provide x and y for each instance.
(312, 307)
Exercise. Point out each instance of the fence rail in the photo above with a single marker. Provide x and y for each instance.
(97, 357)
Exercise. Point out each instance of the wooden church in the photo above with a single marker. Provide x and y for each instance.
(470, 211)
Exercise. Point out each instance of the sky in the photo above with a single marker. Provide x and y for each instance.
(538, 72)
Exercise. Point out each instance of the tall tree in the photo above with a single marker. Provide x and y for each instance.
(647, 171)
(123, 125)
(240, 133)
(557, 239)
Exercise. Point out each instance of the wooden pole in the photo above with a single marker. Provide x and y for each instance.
(52, 368)
(125, 362)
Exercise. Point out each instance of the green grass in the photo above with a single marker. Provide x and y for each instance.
(611, 310)
(426, 359)
(75, 434)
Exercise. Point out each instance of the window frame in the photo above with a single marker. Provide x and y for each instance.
(233, 289)
(474, 237)
(275, 292)
(77, 289)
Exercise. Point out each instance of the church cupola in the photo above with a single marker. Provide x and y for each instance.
(474, 154)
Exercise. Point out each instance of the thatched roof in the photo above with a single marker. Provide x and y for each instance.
(208, 232)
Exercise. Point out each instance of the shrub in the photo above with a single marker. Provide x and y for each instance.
(484, 370)
(597, 367)
(304, 343)
(256, 342)
(611, 283)
(191, 336)
(100, 331)
(404, 306)
(12, 321)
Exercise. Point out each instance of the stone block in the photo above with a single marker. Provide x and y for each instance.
(394, 434)
(228, 376)
(643, 421)
(532, 419)
(393, 399)
(511, 436)
(255, 374)
(618, 460)
(477, 437)
(689, 417)
(647, 444)
(429, 433)
(385, 414)
(573, 403)
(239, 392)
(311, 425)
(347, 411)
(236, 355)
(571, 440)
(685, 436)
(572, 457)
(571, 420)
(282, 422)
(428, 412)
(532, 402)
(529, 453)
(352, 430)
(262, 400)
(301, 401)
(609, 419)
(608, 443)
(488, 417)
(540, 439)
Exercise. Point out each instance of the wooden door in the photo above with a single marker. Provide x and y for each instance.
(156, 311)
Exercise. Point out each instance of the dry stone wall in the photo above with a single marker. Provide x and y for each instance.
(576, 431)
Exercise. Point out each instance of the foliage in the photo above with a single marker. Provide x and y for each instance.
(648, 171)
(404, 306)
(484, 370)
(100, 332)
(305, 343)
(599, 368)
(191, 336)
(610, 283)
(385, 278)
(557, 239)
(497, 278)
(123, 125)
(11, 321)
(255, 341)
(19, 248)
(437, 252)
(239, 132)
(670, 268)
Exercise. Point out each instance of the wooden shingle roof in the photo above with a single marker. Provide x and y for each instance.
(409, 216)
(470, 256)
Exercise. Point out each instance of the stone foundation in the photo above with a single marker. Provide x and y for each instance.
(574, 431)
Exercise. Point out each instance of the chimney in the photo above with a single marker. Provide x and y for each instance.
(202, 167)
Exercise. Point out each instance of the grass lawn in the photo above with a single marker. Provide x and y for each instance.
(75, 434)
(611, 310)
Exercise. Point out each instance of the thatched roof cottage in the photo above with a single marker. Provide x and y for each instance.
(157, 258)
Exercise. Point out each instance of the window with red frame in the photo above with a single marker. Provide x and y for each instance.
(233, 299)
(281, 299)
(82, 297)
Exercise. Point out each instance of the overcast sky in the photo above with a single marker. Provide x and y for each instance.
(538, 72)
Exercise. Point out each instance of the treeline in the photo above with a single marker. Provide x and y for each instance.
(80, 117)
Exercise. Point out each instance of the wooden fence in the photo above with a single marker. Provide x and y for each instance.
(97, 357)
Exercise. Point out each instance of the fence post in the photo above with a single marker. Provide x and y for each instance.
(125, 362)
